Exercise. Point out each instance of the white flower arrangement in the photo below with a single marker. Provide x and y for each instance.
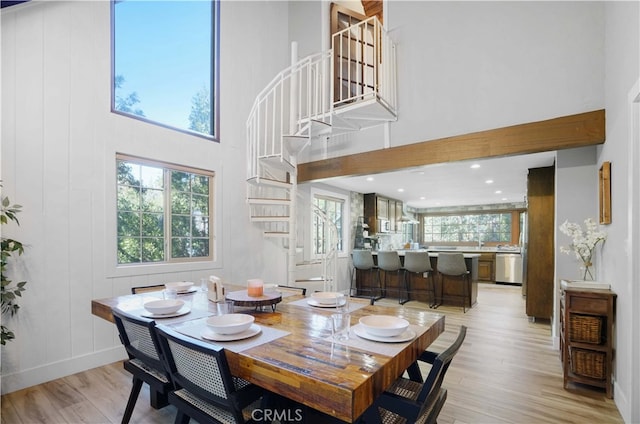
(584, 242)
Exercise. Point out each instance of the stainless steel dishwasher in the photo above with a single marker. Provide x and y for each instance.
(509, 268)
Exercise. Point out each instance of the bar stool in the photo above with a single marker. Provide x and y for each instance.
(389, 261)
(419, 263)
(453, 265)
(363, 261)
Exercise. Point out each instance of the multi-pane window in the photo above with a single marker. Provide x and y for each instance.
(164, 63)
(333, 209)
(164, 212)
(489, 227)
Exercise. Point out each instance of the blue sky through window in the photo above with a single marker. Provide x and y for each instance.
(163, 51)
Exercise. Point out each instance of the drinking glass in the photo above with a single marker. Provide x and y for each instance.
(342, 302)
(170, 293)
(225, 307)
(340, 324)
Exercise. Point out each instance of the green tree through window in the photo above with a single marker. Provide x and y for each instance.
(163, 212)
(487, 227)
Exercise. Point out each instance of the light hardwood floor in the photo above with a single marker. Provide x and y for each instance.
(506, 372)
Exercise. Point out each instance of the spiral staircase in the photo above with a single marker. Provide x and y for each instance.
(345, 89)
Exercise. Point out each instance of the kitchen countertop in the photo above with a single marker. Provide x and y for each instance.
(483, 249)
(433, 253)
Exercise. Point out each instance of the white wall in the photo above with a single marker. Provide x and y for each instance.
(472, 66)
(622, 74)
(58, 161)
(576, 195)
(576, 200)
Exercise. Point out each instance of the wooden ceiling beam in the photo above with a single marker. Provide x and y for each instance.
(566, 132)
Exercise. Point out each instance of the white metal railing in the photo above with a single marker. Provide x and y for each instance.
(295, 96)
(360, 65)
(365, 64)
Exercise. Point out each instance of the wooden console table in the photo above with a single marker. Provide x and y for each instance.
(586, 336)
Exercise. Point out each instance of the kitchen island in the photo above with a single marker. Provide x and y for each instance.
(447, 293)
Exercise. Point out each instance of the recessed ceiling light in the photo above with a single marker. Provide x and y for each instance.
(498, 191)
(369, 178)
(400, 190)
(504, 198)
(475, 166)
(422, 197)
(489, 181)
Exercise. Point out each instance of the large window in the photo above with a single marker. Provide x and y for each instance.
(333, 209)
(165, 63)
(164, 212)
(489, 227)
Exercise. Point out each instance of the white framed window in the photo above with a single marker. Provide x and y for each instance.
(164, 212)
(165, 63)
(487, 227)
(336, 208)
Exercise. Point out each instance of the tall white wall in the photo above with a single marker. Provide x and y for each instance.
(59, 141)
(472, 66)
(622, 77)
(576, 200)
(576, 196)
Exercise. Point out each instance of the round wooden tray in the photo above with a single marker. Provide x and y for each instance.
(241, 298)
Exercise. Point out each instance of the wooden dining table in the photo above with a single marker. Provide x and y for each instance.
(295, 354)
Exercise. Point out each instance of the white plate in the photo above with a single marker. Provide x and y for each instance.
(190, 290)
(408, 335)
(314, 302)
(212, 335)
(182, 311)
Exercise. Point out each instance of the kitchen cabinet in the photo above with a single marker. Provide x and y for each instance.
(378, 208)
(540, 264)
(398, 223)
(392, 216)
(586, 336)
(487, 267)
(382, 208)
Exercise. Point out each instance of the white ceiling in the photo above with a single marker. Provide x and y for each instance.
(453, 184)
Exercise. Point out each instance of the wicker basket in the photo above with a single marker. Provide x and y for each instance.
(588, 363)
(585, 329)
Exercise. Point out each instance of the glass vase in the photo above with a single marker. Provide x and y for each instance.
(588, 271)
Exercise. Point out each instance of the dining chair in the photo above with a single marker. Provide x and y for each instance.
(363, 261)
(411, 401)
(389, 261)
(145, 289)
(205, 390)
(139, 338)
(453, 265)
(301, 290)
(419, 263)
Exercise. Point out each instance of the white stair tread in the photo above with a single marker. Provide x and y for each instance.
(267, 201)
(276, 234)
(266, 218)
(268, 182)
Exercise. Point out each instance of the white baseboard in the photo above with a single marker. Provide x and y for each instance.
(31, 377)
(620, 398)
